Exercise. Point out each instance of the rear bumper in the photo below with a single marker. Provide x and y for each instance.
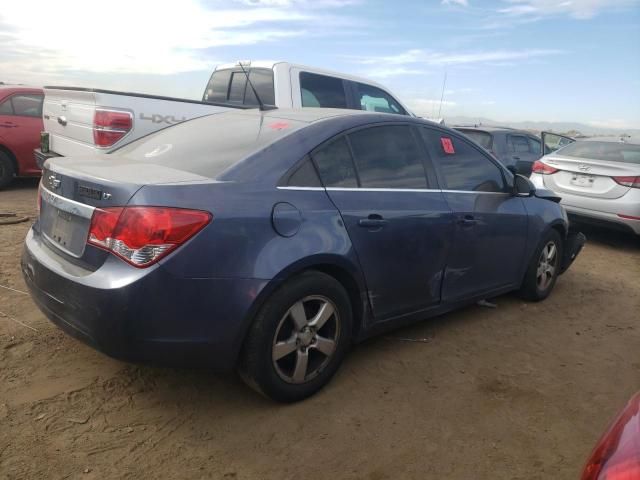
(600, 211)
(43, 157)
(147, 315)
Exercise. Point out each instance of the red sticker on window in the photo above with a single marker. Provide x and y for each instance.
(279, 125)
(447, 145)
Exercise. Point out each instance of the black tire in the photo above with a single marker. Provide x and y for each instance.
(275, 323)
(7, 170)
(537, 286)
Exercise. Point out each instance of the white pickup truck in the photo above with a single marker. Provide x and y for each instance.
(78, 121)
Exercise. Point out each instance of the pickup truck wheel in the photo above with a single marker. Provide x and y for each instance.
(298, 339)
(544, 268)
(7, 170)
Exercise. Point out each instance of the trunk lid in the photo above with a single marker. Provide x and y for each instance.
(72, 188)
(588, 178)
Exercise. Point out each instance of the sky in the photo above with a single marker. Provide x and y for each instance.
(508, 60)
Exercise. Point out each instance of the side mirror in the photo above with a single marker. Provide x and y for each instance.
(522, 186)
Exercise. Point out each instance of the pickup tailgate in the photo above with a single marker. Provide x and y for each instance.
(68, 117)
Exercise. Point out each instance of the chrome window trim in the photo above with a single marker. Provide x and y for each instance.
(66, 204)
(356, 189)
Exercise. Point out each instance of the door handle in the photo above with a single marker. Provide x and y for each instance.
(515, 158)
(467, 221)
(372, 221)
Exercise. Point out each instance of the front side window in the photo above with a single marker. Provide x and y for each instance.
(462, 166)
(322, 91)
(518, 144)
(374, 99)
(335, 164)
(388, 157)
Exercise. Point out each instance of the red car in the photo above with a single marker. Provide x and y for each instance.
(20, 127)
(617, 454)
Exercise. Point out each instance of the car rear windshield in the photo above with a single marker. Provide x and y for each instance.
(609, 151)
(209, 145)
(481, 138)
(230, 86)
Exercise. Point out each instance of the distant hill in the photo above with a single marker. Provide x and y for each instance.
(559, 127)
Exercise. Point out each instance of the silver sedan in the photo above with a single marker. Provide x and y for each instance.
(598, 180)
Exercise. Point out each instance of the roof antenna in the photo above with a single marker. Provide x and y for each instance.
(261, 105)
(442, 95)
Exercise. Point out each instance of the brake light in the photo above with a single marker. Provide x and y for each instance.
(542, 168)
(617, 454)
(143, 235)
(109, 126)
(633, 182)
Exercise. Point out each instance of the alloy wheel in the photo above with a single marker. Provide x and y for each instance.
(547, 265)
(306, 339)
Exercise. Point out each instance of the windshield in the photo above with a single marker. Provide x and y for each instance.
(481, 138)
(608, 151)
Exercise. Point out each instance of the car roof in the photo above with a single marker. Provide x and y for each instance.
(19, 88)
(310, 115)
(633, 140)
(489, 129)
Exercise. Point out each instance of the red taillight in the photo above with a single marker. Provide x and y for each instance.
(633, 182)
(617, 454)
(109, 126)
(542, 168)
(143, 235)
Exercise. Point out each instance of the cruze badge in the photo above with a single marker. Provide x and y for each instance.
(584, 168)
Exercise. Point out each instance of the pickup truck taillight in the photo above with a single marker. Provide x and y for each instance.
(143, 235)
(109, 126)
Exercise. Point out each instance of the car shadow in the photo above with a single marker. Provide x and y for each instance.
(620, 240)
(22, 183)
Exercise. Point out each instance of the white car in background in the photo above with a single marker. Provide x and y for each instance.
(598, 180)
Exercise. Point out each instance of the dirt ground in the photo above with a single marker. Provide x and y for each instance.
(518, 392)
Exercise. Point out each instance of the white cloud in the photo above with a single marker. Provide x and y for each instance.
(435, 58)
(139, 36)
(394, 72)
(462, 3)
(581, 9)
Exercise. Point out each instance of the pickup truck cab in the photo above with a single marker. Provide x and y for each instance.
(80, 121)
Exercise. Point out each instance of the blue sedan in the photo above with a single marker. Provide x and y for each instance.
(270, 242)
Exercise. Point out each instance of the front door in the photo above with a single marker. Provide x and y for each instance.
(490, 223)
(400, 228)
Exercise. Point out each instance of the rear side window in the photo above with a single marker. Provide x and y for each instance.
(6, 108)
(518, 144)
(322, 91)
(304, 176)
(335, 164)
(230, 86)
(535, 146)
(462, 166)
(388, 157)
(484, 139)
(374, 99)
